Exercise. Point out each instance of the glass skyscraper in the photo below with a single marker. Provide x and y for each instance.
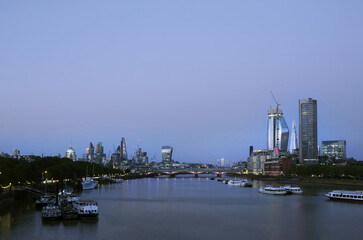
(277, 131)
(123, 152)
(334, 149)
(308, 131)
(293, 139)
(167, 153)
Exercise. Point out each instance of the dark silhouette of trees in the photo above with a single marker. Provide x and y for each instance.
(21, 171)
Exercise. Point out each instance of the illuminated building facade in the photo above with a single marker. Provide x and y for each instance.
(334, 149)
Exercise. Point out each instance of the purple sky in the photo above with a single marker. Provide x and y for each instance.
(195, 75)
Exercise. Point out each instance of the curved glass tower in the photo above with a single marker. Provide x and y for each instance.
(277, 130)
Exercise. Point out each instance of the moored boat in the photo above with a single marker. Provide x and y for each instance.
(356, 196)
(273, 190)
(89, 183)
(225, 181)
(51, 212)
(234, 182)
(86, 208)
(68, 210)
(293, 190)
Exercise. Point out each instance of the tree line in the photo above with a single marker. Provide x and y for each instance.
(329, 171)
(21, 171)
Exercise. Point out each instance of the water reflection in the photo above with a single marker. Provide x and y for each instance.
(185, 207)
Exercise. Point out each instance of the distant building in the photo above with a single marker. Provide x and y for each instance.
(144, 158)
(223, 162)
(90, 151)
(16, 153)
(99, 150)
(308, 131)
(167, 154)
(293, 139)
(277, 131)
(123, 151)
(70, 153)
(334, 149)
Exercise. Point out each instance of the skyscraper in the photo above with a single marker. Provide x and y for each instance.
(90, 151)
(277, 131)
(293, 139)
(167, 153)
(308, 131)
(99, 150)
(123, 152)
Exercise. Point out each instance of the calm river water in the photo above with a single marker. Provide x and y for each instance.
(194, 208)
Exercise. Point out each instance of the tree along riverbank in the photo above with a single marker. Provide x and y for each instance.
(23, 172)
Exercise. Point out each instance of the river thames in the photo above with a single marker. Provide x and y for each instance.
(194, 208)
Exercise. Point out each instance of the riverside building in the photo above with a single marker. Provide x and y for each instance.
(334, 149)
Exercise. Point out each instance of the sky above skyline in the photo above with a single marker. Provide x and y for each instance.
(195, 75)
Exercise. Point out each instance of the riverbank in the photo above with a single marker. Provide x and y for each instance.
(306, 180)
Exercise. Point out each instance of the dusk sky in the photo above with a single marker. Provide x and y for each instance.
(195, 75)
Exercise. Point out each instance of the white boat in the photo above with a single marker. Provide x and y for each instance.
(89, 183)
(346, 195)
(293, 190)
(245, 183)
(86, 208)
(72, 197)
(234, 182)
(51, 212)
(225, 181)
(273, 190)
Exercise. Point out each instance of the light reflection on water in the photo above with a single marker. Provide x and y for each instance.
(194, 208)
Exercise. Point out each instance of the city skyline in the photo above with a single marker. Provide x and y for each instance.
(192, 75)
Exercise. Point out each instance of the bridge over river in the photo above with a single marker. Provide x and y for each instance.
(172, 172)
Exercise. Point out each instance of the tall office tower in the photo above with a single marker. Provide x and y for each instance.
(166, 154)
(277, 131)
(308, 131)
(99, 150)
(293, 139)
(90, 151)
(334, 149)
(123, 152)
(144, 158)
(223, 163)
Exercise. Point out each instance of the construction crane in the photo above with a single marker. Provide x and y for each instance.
(277, 104)
(277, 123)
